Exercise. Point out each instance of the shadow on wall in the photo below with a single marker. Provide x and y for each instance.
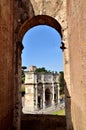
(68, 108)
(43, 122)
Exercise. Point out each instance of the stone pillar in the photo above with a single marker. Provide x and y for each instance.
(43, 96)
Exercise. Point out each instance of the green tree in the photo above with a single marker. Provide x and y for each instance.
(61, 82)
(44, 70)
(41, 70)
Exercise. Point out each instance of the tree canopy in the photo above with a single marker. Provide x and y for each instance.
(41, 70)
(44, 70)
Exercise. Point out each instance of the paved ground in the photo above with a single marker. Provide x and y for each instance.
(43, 122)
(48, 110)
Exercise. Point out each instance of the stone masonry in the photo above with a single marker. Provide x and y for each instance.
(41, 91)
(69, 19)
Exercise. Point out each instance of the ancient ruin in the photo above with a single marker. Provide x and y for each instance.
(68, 17)
(41, 91)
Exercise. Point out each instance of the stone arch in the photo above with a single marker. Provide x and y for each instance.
(39, 20)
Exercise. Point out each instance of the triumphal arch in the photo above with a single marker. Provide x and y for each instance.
(68, 17)
(41, 91)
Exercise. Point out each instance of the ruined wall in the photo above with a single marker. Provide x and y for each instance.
(6, 64)
(77, 46)
(13, 14)
(43, 122)
(11, 19)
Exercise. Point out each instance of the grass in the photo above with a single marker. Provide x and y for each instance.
(60, 112)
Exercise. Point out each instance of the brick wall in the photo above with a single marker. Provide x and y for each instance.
(43, 122)
(6, 64)
(76, 17)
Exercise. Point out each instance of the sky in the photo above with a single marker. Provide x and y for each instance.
(42, 48)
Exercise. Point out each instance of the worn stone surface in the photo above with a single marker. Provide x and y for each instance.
(6, 65)
(42, 122)
(77, 47)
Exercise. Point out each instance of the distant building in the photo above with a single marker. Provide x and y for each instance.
(41, 90)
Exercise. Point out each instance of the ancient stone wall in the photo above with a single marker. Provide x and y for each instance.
(77, 47)
(43, 122)
(13, 14)
(40, 90)
(6, 64)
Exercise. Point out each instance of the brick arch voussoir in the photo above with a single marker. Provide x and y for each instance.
(39, 20)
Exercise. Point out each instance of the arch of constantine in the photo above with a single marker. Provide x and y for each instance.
(41, 91)
(68, 17)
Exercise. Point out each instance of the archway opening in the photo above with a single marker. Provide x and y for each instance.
(42, 100)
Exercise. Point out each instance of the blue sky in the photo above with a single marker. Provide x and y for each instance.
(42, 48)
